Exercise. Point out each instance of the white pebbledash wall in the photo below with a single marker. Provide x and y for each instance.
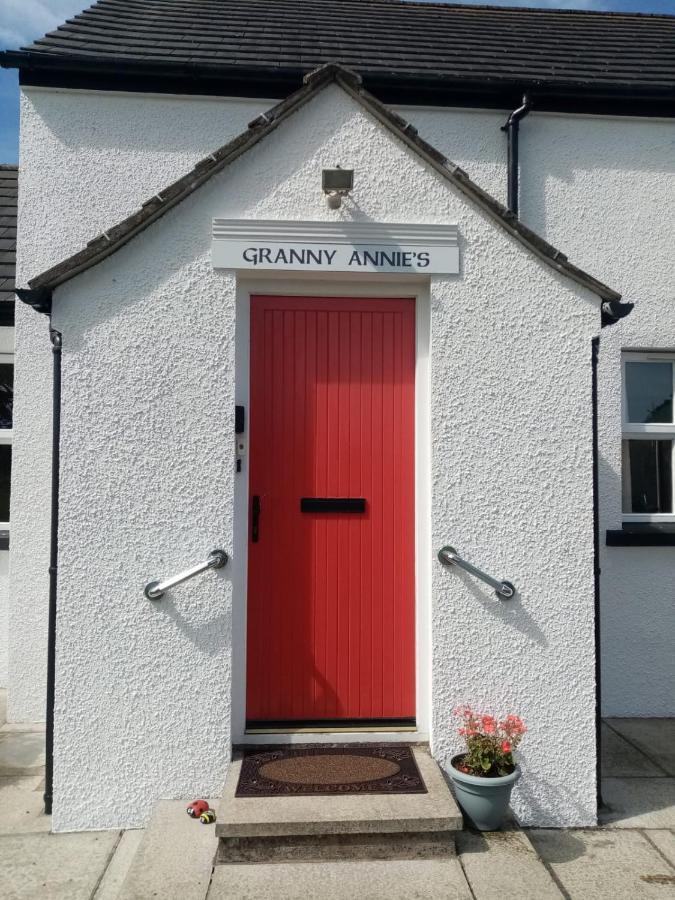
(143, 690)
(600, 188)
(603, 191)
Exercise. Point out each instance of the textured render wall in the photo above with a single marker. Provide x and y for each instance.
(29, 516)
(602, 190)
(607, 197)
(4, 615)
(148, 482)
(87, 160)
(143, 688)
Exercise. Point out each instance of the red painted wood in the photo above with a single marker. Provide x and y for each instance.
(331, 596)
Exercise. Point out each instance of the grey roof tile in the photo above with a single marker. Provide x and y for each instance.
(542, 46)
(8, 203)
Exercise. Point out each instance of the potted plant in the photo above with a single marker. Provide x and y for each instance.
(485, 774)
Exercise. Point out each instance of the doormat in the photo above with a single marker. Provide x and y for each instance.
(343, 769)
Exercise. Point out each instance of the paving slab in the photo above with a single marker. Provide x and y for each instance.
(340, 814)
(21, 753)
(605, 865)
(655, 737)
(638, 803)
(12, 728)
(119, 865)
(622, 759)
(22, 806)
(174, 858)
(503, 865)
(372, 880)
(54, 866)
(665, 843)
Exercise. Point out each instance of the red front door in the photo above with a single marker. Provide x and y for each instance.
(331, 585)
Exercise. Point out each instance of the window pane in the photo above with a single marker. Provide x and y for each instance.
(647, 477)
(5, 478)
(649, 391)
(6, 395)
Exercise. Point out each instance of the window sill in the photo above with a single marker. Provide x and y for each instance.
(634, 534)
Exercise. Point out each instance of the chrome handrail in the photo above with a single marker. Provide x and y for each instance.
(155, 590)
(448, 556)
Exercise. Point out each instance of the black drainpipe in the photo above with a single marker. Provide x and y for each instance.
(511, 128)
(55, 337)
(40, 300)
(595, 351)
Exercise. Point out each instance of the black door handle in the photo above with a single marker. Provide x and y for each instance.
(255, 519)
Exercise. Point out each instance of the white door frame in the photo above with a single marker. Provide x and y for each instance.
(345, 286)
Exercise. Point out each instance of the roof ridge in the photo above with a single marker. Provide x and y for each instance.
(112, 239)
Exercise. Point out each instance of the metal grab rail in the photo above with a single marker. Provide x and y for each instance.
(155, 590)
(448, 556)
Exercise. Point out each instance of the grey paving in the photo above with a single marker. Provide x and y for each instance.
(638, 803)
(654, 737)
(253, 816)
(22, 806)
(174, 858)
(12, 728)
(664, 841)
(621, 759)
(373, 880)
(118, 868)
(503, 865)
(602, 865)
(21, 752)
(54, 866)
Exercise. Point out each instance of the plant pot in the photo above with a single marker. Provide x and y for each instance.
(484, 800)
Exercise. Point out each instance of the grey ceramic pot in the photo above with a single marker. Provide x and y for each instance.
(484, 800)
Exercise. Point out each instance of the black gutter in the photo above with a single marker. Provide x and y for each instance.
(512, 128)
(613, 311)
(595, 351)
(55, 337)
(621, 98)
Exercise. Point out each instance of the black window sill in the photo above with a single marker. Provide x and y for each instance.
(640, 534)
(4, 540)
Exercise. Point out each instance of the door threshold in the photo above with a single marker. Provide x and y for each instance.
(347, 729)
(331, 736)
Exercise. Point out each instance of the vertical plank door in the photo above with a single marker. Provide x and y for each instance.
(331, 594)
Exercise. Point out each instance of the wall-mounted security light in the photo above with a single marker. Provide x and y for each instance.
(336, 184)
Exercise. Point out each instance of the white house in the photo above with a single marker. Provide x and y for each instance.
(316, 218)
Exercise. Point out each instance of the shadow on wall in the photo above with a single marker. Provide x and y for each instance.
(508, 612)
(199, 633)
(532, 787)
(100, 122)
(593, 146)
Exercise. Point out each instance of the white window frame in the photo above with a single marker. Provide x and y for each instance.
(6, 357)
(646, 431)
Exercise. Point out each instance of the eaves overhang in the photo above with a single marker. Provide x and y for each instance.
(620, 98)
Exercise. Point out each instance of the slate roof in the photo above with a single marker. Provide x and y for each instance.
(8, 200)
(41, 287)
(560, 50)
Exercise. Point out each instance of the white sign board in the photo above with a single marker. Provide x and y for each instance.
(335, 247)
